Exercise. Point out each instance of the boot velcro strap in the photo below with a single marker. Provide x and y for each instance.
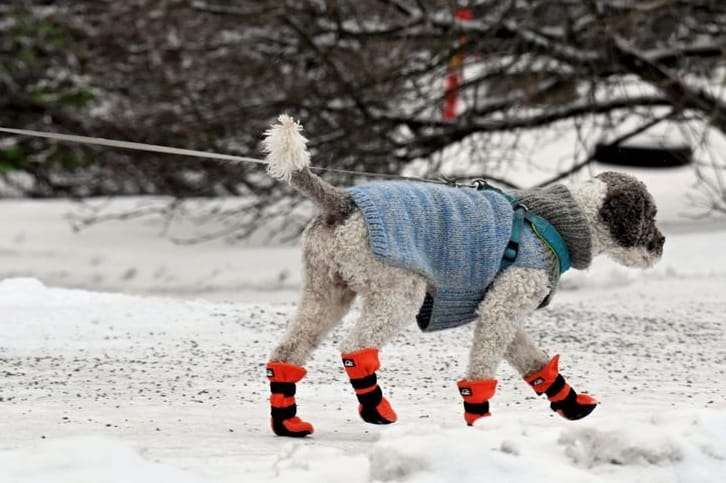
(569, 402)
(477, 408)
(285, 388)
(371, 399)
(557, 385)
(364, 382)
(284, 413)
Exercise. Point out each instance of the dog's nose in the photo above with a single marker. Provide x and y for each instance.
(656, 243)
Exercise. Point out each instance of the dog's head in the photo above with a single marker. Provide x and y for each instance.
(627, 217)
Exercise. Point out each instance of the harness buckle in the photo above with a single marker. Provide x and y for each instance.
(480, 184)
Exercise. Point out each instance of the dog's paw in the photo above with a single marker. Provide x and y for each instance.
(472, 418)
(381, 413)
(476, 396)
(574, 408)
(292, 427)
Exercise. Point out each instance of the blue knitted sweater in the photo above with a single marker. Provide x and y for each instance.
(455, 237)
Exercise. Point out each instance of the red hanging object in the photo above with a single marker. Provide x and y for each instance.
(464, 13)
(454, 76)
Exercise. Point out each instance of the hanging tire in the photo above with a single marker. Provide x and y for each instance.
(643, 156)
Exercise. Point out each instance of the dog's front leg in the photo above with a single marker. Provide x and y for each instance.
(513, 295)
(544, 376)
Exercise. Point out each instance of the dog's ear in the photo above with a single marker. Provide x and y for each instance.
(628, 209)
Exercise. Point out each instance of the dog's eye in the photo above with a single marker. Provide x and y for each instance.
(650, 211)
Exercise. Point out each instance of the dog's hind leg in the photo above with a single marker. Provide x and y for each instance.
(543, 375)
(513, 295)
(324, 302)
(524, 355)
(320, 310)
(395, 301)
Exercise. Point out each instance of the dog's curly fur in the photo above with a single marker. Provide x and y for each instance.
(339, 266)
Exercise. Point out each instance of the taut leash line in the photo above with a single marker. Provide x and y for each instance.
(156, 148)
(114, 143)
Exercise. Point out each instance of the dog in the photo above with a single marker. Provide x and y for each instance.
(444, 256)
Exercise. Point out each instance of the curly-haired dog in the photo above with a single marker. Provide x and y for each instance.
(445, 256)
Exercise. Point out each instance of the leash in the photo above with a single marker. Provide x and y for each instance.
(156, 148)
(114, 143)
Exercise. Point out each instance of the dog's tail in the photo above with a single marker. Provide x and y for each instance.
(288, 159)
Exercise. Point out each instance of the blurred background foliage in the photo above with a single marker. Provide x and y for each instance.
(367, 78)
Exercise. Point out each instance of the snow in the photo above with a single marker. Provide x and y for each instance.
(136, 256)
(86, 459)
(163, 380)
(117, 388)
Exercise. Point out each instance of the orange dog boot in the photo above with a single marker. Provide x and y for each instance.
(282, 378)
(361, 367)
(476, 396)
(563, 399)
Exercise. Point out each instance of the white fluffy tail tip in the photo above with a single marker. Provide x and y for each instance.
(286, 148)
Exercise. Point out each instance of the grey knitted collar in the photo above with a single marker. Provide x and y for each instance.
(556, 204)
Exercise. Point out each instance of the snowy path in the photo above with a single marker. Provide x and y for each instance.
(104, 387)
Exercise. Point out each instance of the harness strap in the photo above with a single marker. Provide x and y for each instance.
(541, 227)
(551, 238)
(512, 250)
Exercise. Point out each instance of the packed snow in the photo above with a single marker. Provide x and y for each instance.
(165, 381)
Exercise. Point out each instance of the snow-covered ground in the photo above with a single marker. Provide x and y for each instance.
(146, 387)
(136, 257)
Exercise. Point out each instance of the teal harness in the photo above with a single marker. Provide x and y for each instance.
(541, 227)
